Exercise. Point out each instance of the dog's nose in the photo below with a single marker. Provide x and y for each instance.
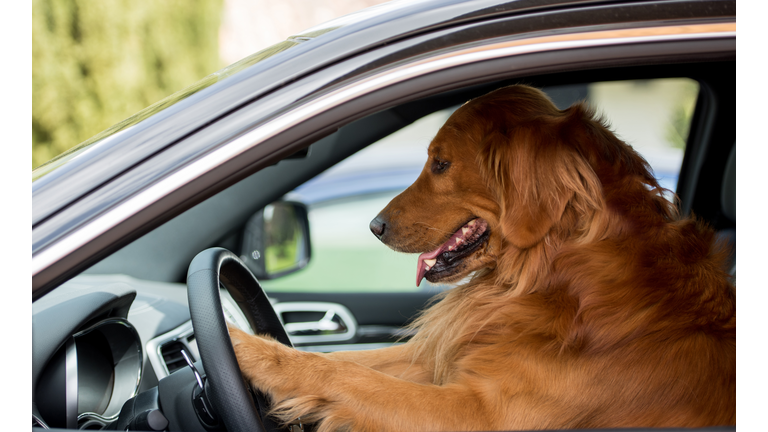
(378, 226)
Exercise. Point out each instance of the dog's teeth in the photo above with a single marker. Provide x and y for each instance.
(430, 262)
(464, 231)
(458, 241)
(472, 222)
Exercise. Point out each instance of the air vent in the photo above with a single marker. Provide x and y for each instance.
(172, 356)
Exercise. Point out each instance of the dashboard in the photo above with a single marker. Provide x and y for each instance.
(88, 355)
(99, 341)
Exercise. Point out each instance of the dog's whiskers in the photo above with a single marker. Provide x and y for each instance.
(430, 227)
(433, 228)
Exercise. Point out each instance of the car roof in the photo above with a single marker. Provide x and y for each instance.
(163, 124)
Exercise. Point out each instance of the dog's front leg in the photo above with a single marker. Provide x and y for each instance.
(397, 360)
(345, 395)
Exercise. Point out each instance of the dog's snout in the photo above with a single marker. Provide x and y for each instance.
(378, 225)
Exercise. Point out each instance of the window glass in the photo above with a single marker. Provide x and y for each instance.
(651, 115)
(346, 257)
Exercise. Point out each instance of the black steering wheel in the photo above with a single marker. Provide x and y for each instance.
(225, 388)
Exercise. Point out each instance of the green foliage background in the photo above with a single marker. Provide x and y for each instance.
(96, 62)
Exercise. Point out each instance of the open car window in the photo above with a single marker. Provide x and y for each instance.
(653, 116)
(346, 257)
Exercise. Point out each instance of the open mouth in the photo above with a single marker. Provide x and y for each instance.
(443, 261)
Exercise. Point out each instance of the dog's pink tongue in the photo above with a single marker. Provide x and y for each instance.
(427, 260)
(423, 267)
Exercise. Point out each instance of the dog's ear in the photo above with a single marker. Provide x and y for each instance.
(535, 175)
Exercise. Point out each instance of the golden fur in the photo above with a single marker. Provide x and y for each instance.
(592, 302)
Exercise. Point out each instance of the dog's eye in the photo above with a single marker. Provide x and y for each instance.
(439, 166)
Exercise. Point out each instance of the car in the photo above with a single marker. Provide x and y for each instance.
(278, 163)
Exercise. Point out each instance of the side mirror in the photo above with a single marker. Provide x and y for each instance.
(276, 240)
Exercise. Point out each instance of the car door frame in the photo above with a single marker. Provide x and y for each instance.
(66, 249)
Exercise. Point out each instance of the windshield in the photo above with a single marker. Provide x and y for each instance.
(171, 100)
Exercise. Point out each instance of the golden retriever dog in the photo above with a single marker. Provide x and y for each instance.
(590, 303)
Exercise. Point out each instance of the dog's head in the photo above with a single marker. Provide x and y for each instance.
(506, 171)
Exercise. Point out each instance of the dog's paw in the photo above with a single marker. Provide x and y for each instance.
(257, 355)
(236, 335)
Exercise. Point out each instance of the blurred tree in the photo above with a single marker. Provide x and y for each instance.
(95, 62)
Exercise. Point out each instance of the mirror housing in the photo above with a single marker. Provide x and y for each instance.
(276, 240)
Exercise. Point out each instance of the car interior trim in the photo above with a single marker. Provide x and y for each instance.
(102, 224)
(38, 422)
(71, 383)
(346, 331)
